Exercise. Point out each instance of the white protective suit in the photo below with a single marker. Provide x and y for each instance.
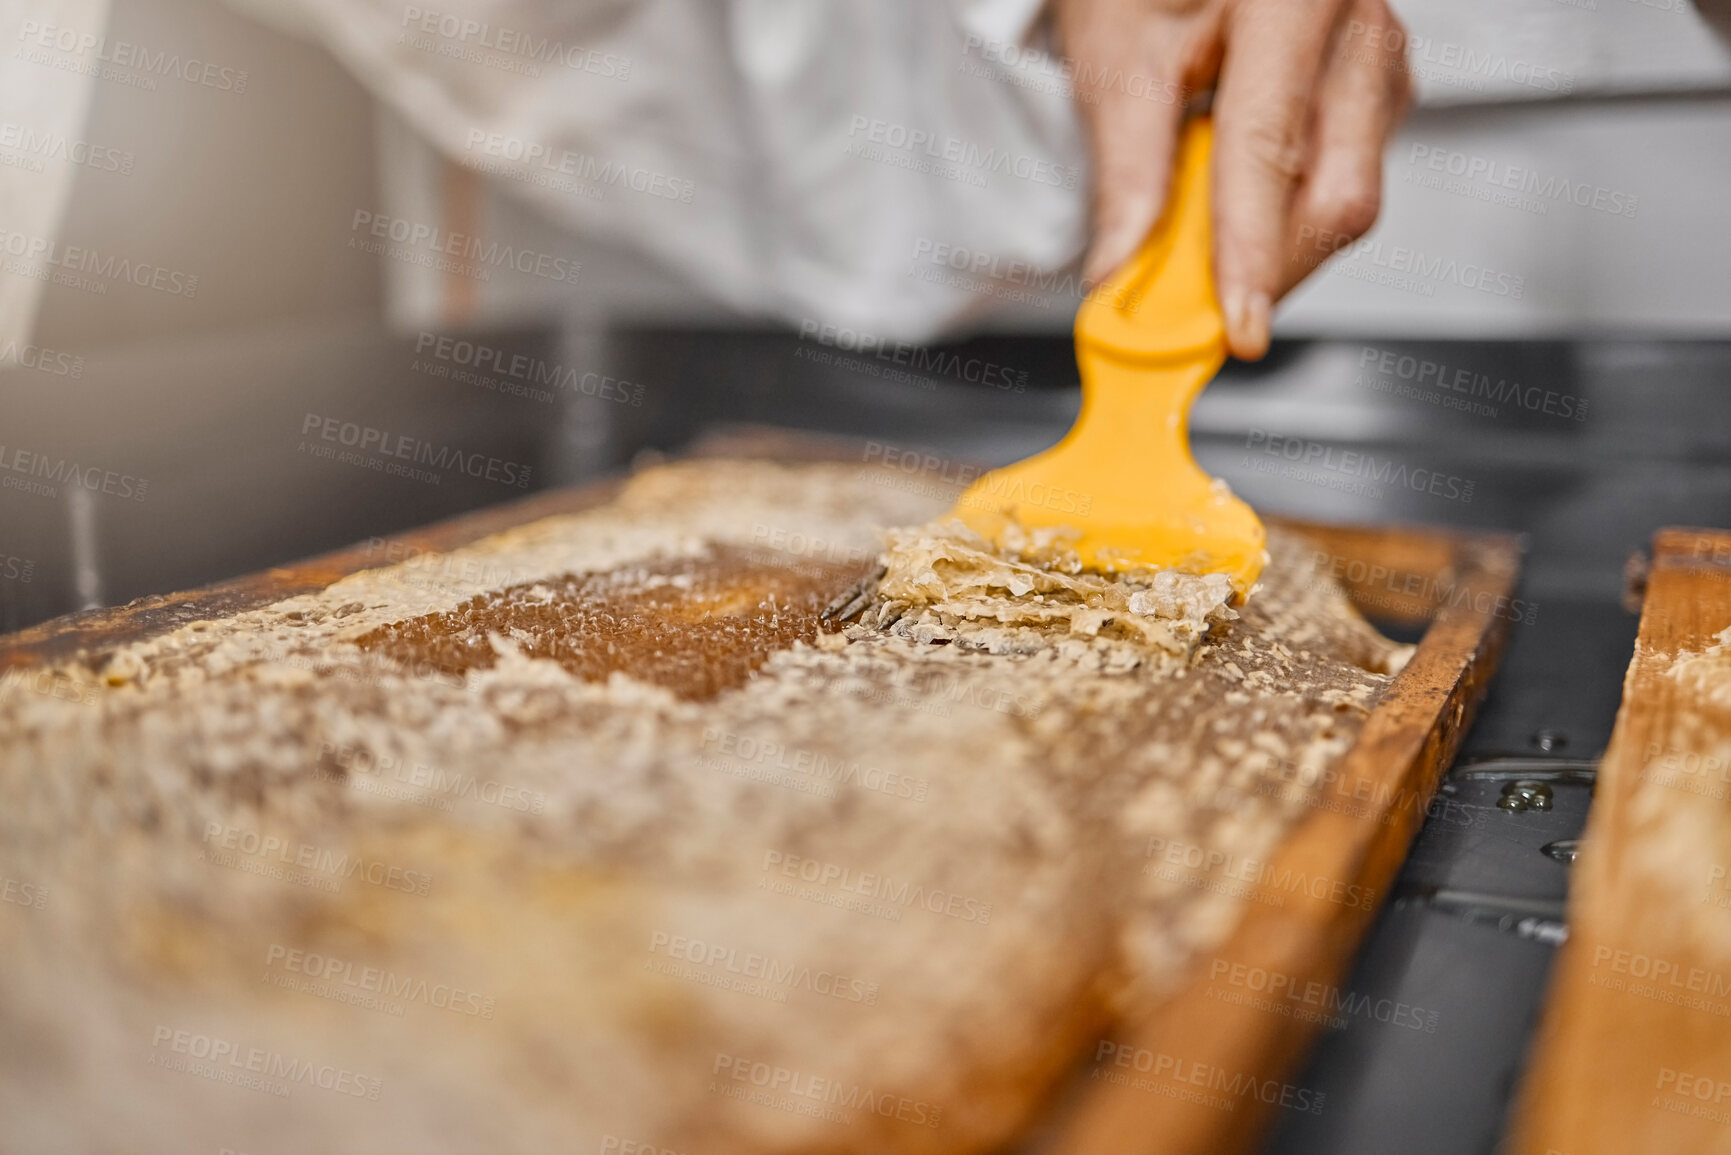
(903, 166)
(786, 156)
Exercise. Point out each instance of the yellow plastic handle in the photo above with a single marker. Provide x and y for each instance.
(1161, 305)
(1146, 344)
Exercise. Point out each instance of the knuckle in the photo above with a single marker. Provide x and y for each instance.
(1401, 92)
(1397, 35)
(1275, 144)
(1352, 208)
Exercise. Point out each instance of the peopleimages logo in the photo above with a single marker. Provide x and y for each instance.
(63, 471)
(1424, 373)
(212, 1054)
(1035, 69)
(581, 166)
(1352, 463)
(222, 843)
(55, 146)
(460, 246)
(1368, 259)
(917, 358)
(1308, 1000)
(842, 1096)
(41, 359)
(36, 897)
(1232, 1087)
(880, 887)
(525, 370)
(1169, 858)
(124, 54)
(79, 259)
(614, 1145)
(768, 754)
(1451, 63)
(1382, 585)
(368, 439)
(1517, 178)
(463, 32)
(775, 973)
(1661, 973)
(379, 981)
(979, 271)
(956, 151)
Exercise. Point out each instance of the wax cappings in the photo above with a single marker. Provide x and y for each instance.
(1008, 845)
(1147, 341)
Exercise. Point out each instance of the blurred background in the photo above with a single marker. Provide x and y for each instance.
(221, 218)
(279, 276)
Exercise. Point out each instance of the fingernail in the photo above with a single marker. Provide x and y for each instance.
(1115, 242)
(1092, 267)
(1256, 323)
(1108, 253)
(1232, 306)
(1246, 322)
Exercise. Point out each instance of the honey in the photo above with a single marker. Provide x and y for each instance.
(694, 625)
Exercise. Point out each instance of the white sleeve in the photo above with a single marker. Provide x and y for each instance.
(1003, 21)
(903, 165)
(803, 159)
(42, 114)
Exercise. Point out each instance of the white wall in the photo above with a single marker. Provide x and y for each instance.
(250, 191)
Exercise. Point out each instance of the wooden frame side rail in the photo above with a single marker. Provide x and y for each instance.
(1634, 1052)
(1356, 836)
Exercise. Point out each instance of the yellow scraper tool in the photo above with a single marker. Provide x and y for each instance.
(1147, 341)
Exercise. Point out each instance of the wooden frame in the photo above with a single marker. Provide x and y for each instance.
(96, 630)
(1636, 1037)
(1399, 574)
(1386, 780)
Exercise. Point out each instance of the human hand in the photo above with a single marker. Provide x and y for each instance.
(1307, 93)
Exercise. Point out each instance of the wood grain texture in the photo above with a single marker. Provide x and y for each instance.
(101, 629)
(1634, 1053)
(1356, 837)
(1350, 845)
